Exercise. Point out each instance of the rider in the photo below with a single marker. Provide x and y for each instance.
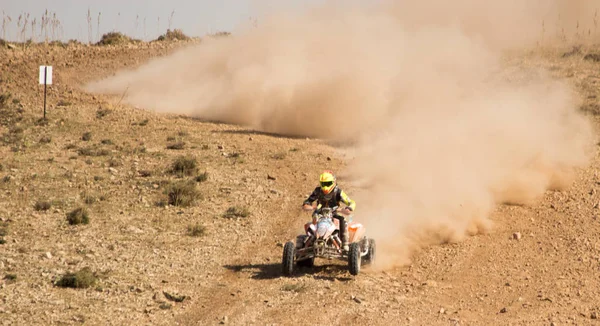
(329, 195)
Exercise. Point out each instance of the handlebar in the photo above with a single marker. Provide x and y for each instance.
(335, 209)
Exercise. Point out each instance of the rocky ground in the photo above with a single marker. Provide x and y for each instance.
(540, 265)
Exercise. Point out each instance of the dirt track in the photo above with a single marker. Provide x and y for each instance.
(232, 274)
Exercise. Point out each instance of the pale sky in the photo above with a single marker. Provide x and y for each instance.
(196, 18)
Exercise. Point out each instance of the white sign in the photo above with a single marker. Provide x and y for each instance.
(46, 75)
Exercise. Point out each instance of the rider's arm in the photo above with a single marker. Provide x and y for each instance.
(346, 200)
(314, 196)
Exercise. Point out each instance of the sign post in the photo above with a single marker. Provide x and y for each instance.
(46, 79)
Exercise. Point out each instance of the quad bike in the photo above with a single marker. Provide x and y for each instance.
(322, 240)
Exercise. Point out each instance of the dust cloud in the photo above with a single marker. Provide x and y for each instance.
(441, 130)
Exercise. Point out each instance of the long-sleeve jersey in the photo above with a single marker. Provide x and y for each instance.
(330, 200)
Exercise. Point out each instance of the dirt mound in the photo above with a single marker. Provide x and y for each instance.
(218, 260)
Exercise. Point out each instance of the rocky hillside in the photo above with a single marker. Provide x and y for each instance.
(111, 214)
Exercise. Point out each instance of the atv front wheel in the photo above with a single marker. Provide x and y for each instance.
(354, 258)
(287, 263)
(371, 254)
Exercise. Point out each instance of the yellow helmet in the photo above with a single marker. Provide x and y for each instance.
(327, 181)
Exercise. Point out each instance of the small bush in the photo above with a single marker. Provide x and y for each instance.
(297, 288)
(45, 140)
(63, 103)
(114, 38)
(10, 278)
(1, 167)
(202, 177)
(98, 178)
(183, 133)
(78, 216)
(114, 163)
(171, 138)
(70, 146)
(87, 136)
(143, 122)
(4, 99)
(172, 35)
(92, 151)
(42, 122)
(145, 173)
(106, 142)
(178, 145)
(196, 230)
(102, 112)
(182, 193)
(88, 198)
(279, 156)
(82, 279)
(42, 206)
(184, 165)
(236, 211)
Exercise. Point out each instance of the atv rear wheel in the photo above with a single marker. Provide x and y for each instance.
(287, 263)
(371, 254)
(354, 258)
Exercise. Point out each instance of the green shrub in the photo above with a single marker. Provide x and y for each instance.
(236, 211)
(178, 145)
(78, 216)
(202, 177)
(42, 206)
(93, 151)
(172, 35)
(82, 279)
(115, 38)
(184, 165)
(196, 230)
(87, 136)
(182, 193)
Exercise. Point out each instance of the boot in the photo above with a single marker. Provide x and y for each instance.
(344, 235)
